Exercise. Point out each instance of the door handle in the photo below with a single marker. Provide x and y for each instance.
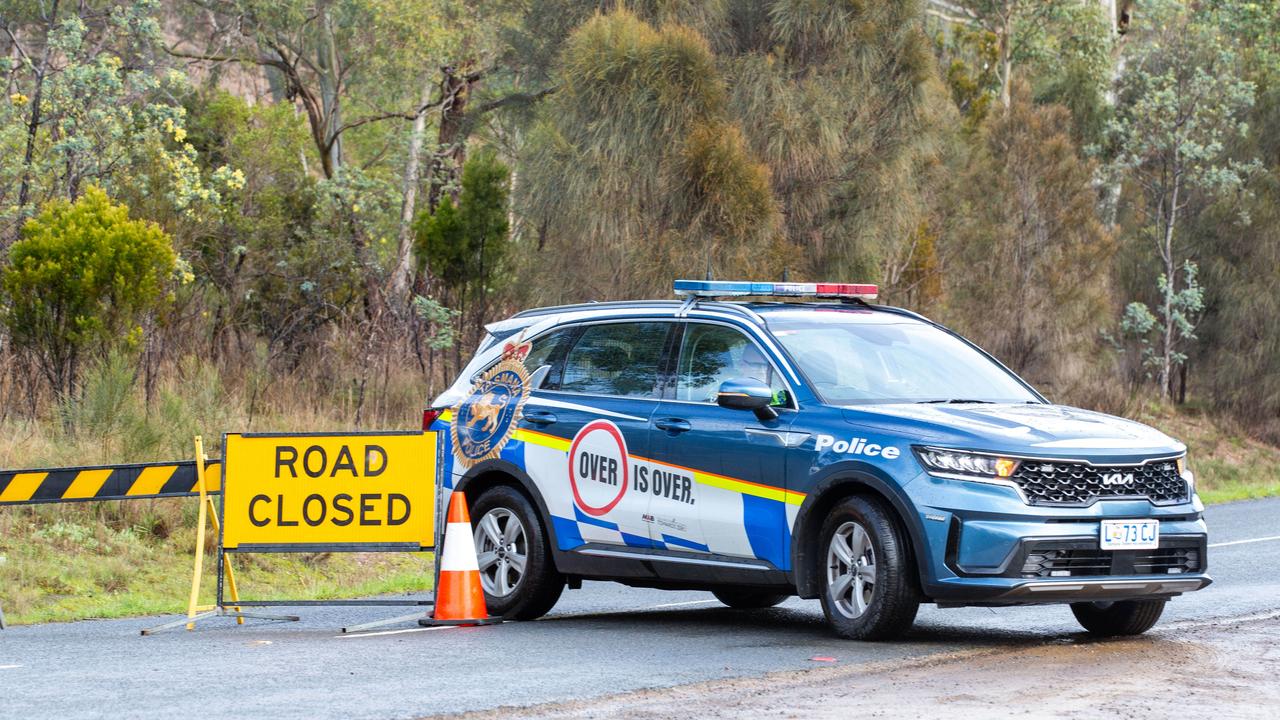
(539, 417)
(672, 425)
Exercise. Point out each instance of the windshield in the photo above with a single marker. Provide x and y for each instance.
(853, 359)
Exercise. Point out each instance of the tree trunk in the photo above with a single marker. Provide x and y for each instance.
(330, 98)
(446, 165)
(33, 125)
(1166, 360)
(400, 276)
(1182, 384)
(1006, 58)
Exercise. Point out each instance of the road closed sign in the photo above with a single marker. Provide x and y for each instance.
(344, 491)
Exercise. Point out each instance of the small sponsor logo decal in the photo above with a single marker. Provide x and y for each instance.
(857, 446)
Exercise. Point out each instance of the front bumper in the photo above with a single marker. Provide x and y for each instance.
(1108, 589)
(987, 547)
(1033, 592)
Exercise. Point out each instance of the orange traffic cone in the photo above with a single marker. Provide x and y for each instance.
(459, 595)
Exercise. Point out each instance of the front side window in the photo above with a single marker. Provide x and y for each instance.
(618, 359)
(711, 354)
(853, 359)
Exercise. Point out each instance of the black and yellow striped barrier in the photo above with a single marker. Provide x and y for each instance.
(136, 481)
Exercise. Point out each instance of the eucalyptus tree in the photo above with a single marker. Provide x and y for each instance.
(803, 116)
(1181, 103)
(634, 165)
(90, 101)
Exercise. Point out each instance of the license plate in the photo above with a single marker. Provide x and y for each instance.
(1130, 534)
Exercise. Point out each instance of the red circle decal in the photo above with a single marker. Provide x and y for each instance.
(597, 465)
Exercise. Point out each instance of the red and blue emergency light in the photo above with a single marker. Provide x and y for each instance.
(723, 288)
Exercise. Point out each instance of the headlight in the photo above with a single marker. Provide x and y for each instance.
(1186, 473)
(965, 463)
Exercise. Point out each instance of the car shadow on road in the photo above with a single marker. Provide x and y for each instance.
(776, 627)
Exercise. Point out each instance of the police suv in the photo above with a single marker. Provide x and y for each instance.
(801, 441)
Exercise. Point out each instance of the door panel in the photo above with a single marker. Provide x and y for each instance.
(584, 427)
(719, 471)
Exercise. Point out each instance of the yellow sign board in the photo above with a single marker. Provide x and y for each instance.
(335, 491)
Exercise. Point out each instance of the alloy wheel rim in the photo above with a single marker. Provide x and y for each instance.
(502, 551)
(851, 570)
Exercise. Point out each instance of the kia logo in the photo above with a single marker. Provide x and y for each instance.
(1117, 478)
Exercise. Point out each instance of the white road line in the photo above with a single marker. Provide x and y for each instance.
(1244, 542)
(398, 632)
(680, 604)
(9, 667)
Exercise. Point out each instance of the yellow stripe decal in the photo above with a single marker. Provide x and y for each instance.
(87, 484)
(533, 437)
(704, 478)
(22, 486)
(151, 480)
(738, 486)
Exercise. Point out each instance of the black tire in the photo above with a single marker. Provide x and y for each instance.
(749, 598)
(889, 607)
(1114, 619)
(538, 588)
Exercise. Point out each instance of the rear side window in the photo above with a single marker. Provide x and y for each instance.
(547, 350)
(616, 359)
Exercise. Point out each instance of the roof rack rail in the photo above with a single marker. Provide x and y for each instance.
(553, 309)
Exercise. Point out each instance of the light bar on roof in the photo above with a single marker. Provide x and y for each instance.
(726, 288)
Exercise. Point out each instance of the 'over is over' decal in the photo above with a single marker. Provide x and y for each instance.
(598, 467)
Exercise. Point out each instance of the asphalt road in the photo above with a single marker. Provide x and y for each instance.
(601, 640)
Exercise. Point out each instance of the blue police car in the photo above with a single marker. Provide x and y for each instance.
(798, 440)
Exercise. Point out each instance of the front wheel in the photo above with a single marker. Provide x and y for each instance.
(869, 589)
(1112, 619)
(520, 580)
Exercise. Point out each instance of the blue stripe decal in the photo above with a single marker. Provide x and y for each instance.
(681, 542)
(585, 518)
(639, 541)
(766, 524)
(568, 536)
(445, 438)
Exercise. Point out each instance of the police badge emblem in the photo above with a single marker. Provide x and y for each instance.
(486, 419)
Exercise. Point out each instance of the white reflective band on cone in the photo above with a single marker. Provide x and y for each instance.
(459, 549)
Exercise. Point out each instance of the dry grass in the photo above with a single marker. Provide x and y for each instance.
(1228, 463)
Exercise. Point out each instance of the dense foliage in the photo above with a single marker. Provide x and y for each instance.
(359, 185)
(81, 280)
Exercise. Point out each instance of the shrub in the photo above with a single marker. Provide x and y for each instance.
(80, 280)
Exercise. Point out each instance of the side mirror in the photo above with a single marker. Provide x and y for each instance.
(747, 394)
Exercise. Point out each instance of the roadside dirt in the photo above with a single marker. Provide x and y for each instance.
(1224, 670)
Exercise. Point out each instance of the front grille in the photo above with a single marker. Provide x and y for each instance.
(1050, 559)
(1046, 482)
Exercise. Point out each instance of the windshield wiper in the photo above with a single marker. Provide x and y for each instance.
(954, 401)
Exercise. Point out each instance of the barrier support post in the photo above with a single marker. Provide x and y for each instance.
(208, 514)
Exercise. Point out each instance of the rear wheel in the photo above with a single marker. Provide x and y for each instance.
(1125, 617)
(749, 598)
(869, 590)
(520, 580)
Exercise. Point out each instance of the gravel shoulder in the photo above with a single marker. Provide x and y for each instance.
(1225, 669)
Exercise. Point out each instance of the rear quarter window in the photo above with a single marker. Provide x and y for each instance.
(619, 359)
